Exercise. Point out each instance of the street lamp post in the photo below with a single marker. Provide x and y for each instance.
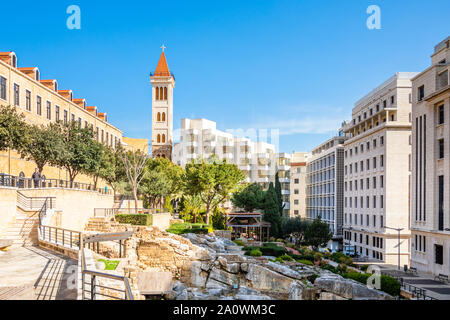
(398, 246)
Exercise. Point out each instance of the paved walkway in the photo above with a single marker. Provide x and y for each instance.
(434, 288)
(31, 273)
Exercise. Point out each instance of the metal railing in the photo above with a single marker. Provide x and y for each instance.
(7, 180)
(416, 292)
(111, 212)
(60, 237)
(35, 203)
(89, 289)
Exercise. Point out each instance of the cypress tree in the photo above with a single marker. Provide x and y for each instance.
(271, 210)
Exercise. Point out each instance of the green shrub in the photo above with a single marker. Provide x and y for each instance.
(256, 253)
(307, 262)
(312, 278)
(239, 243)
(339, 257)
(285, 257)
(364, 267)
(135, 219)
(389, 284)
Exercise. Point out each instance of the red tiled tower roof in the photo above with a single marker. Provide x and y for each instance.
(162, 69)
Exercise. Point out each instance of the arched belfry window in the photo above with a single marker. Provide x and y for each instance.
(157, 93)
(163, 116)
(163, 138)
(158, 117)
(165, 93)
(158, 138)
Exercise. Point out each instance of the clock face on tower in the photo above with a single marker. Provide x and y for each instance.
(162, 82)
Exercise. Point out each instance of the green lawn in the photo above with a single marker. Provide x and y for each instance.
(181, 228)
(110, 264)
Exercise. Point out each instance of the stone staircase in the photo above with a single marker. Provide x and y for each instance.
(105, 225)
(23, 230)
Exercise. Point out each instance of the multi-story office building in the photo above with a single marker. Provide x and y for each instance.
(377, 172)
(43, 102)
(298, 184)
(430, 197)
(324, 185)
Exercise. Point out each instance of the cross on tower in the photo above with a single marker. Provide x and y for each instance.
(163, 47)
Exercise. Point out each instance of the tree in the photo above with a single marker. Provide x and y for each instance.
(250, 198)
(218, 219)
(318, 233)
(98, 161)
(279, 195)
(295, 227)
(134, 164)
(13, 130)
(191, 208)
(44, 145)
(79, 151)
(213, 182)
(271, 210)
(155, 186)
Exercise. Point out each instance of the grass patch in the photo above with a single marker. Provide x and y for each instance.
(182, 228)
(239, 243)
(110, 264)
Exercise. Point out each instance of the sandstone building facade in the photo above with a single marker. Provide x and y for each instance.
(430, 197)
(377, 174)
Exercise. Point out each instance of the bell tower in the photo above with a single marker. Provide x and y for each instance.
(162, 82)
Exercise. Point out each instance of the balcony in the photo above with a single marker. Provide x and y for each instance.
(285, 180)
(285, 192)
(245, 167)
(192, 143)
(284, 167)
(287, 205)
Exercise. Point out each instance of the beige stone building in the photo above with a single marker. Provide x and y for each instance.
(430, 197)
(377, 172)
(298, 184)
(42, 102)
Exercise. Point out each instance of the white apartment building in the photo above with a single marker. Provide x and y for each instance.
(298, 184)
(200, 139)
(430, 197)
(377, 172)
(324, 187)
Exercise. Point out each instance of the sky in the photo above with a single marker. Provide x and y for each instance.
(293, 66)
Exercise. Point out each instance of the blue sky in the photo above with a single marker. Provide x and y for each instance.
(296, 66)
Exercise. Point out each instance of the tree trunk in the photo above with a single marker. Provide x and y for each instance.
(207, 213)
(135, 198)
(95, 182)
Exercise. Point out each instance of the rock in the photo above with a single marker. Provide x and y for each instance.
(222, 261)
(214, 284)
(348, 289)
(179, 286)
(233, 267)
(284, 270)
(296, 291)
(223, 276)
(183, 295)
(194, 275)
(330, 296)
(244, 267)
(261, 278)
(252, 297)
(247, 291)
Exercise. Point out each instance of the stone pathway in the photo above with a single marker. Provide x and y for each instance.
(31, 273)
(434, 289)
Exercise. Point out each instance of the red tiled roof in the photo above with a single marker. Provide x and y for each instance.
(162, 69)
(298, 164)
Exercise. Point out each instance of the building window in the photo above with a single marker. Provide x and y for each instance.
(441, 148)
(420, 93)
(158, 138)
(392, 100)
(381, 201)
(381, 181)
(16, 94)
(28, 100)
(374, 162)
(374, 202)
(56, 113)
(381, 141)
(163, 138)
(65, 116)
(438, 254)
(441, 114)
(165, 94)
(296, 181)
(49, 110)
(158, 117)
(3, 88)
(157, 93)
(38, 105)
(381, 160)
(441, 203)
(296, 191)
(163, 118)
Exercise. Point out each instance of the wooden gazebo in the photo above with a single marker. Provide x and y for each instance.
(248, 225)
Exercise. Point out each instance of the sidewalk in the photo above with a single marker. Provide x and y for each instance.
(434, 288)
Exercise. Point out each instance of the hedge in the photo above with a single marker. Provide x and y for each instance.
(389, 284)
(182, 228)
(268, 249)
(256, 253)
(135, 219)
